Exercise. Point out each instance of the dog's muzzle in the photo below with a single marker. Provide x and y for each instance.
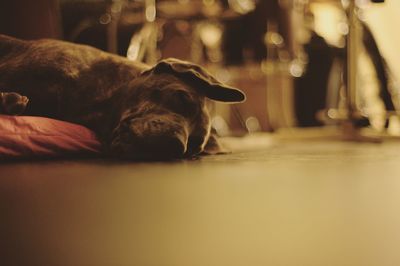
(149, 138)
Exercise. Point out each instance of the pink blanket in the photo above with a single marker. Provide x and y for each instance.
(28, 136)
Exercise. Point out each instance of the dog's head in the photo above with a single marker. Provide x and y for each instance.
(166, 114)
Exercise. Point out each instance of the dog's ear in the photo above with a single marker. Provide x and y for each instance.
(200, 79)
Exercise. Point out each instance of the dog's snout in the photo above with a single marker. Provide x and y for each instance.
(195, 145)
(152, 138)
(164, 147)
(150, 148)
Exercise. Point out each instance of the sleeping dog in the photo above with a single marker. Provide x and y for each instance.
(137, 111)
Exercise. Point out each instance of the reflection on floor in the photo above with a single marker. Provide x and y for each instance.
(276, 200)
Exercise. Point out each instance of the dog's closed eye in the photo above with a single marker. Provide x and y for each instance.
(182, 103)
(177, 101)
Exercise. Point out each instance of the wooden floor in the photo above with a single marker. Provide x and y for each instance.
(274, 201)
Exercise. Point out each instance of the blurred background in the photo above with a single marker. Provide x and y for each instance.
(302, 63)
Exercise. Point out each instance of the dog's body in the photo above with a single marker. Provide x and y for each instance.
(136, 110)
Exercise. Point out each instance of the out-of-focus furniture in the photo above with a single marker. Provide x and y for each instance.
(27, 19)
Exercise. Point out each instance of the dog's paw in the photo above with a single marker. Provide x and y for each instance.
(12, 103)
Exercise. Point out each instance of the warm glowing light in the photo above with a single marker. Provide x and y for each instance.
(296, 69)
(151, 13)
(208, 2)
(220, 125)
(252, 124)
(105, 19)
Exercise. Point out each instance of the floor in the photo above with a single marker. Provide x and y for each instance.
(273, 201)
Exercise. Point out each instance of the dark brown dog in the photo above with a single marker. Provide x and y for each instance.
(137, 111)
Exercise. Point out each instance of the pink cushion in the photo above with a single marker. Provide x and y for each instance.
(28, 136)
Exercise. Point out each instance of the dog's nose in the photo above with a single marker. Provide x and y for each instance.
(163, 147)
(157, 138)
(195, 144)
